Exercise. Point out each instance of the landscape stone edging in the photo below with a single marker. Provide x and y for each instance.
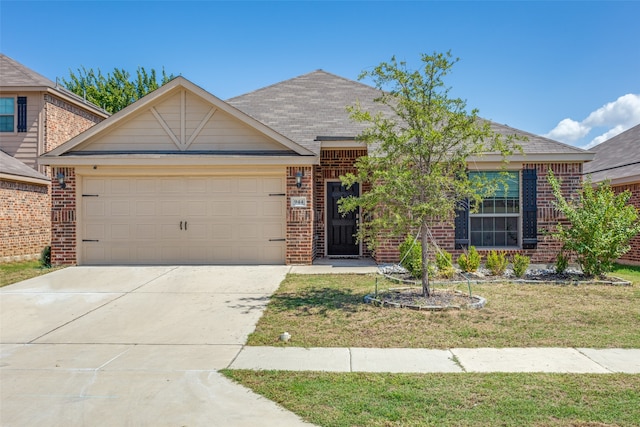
(622, 282)
(478, 304)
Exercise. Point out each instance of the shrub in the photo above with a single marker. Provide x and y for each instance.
(601, 225)
(497, 262)
(470, 262)
(562, 262)
(45, 257)
(444, 261)
(411, 256)
(520, 264)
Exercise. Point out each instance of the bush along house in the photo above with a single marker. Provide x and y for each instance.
(182, 177)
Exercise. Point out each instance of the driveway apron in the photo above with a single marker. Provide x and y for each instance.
(105, 346)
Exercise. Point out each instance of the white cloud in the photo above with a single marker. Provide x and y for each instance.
(607, 135)
(568, 131)
(616, 116)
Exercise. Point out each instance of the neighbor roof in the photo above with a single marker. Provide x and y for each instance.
(14, 169)
(617, 159)
(314, 105)
(15, 76)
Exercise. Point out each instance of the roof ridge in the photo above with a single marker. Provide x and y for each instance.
(26, 71)
(318, 71)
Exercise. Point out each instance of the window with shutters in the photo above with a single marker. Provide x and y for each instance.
(496, 223)
(509, 219)
(7, 114)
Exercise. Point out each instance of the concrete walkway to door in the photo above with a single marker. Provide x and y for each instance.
(106, 346)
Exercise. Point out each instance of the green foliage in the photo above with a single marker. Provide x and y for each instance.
(45, 257)
(497, 262)
(411, 256)
(562, 262)
(469, 262)
(520, 264)
(420, 139)
(444, 262)
(601, 225)
(116, 90)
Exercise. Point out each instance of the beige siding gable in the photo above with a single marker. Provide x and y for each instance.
(181, 122)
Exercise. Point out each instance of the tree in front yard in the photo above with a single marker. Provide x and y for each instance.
(417, 166)
(601, 224)
(116, 90)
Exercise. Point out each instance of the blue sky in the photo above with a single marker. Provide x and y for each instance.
(569, 70)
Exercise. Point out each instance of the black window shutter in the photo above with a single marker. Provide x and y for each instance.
(22, 114)
(529, 209)
(461, 224)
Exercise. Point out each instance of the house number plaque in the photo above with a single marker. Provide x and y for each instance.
(298, 202)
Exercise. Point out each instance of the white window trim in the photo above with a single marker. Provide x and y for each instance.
(503, 215)
(15, 115)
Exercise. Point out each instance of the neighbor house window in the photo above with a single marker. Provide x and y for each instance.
(496, 223)
(7, 114)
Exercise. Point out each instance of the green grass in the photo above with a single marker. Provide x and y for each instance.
(466, 399)
(327, 311)
(627, 272)
(17, 271)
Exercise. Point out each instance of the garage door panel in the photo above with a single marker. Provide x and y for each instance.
(229, 220)
(120, 232)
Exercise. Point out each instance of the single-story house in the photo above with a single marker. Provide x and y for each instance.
(183, 177)
(36, 116)
(617, 161)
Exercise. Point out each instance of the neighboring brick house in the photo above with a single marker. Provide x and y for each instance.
(617, 161)
(36, 116)
(182, 177)
(25, 225)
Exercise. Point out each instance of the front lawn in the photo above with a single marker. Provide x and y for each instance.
(627, 272)
(327, 311)
(14, 272)
(465, 399)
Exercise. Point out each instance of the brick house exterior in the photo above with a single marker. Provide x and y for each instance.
(617, 161)
(296, 133)
(45, 116)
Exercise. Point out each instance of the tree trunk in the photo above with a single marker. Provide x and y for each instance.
(426, 291)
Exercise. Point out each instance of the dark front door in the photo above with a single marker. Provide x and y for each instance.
(341, 228)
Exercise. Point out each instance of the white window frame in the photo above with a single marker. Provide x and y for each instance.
(15, 114)
(517, 215)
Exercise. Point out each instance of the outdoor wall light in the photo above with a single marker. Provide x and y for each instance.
(60, 177)
(299, 176)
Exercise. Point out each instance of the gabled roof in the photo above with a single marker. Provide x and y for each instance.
(73, 151)
(13, 73)
(313, 106)
(306, 107)
(617, 159)
(13, 169)
(14, 76)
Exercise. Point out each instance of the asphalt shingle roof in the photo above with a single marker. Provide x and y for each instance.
(13, 73)
(12, 166)
(312, 105)
(616, 158)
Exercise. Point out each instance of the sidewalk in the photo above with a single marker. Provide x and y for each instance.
(416, 360)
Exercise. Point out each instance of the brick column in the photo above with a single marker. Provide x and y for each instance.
(63, 218)
(300, 220)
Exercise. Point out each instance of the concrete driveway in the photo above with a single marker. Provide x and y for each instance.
(138, 346)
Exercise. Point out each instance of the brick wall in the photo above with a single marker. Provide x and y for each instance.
(63, 121)
(569, 175)
(633, 256)
(25, 220)
(300, 220)
(334, 163)
(63, 218)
